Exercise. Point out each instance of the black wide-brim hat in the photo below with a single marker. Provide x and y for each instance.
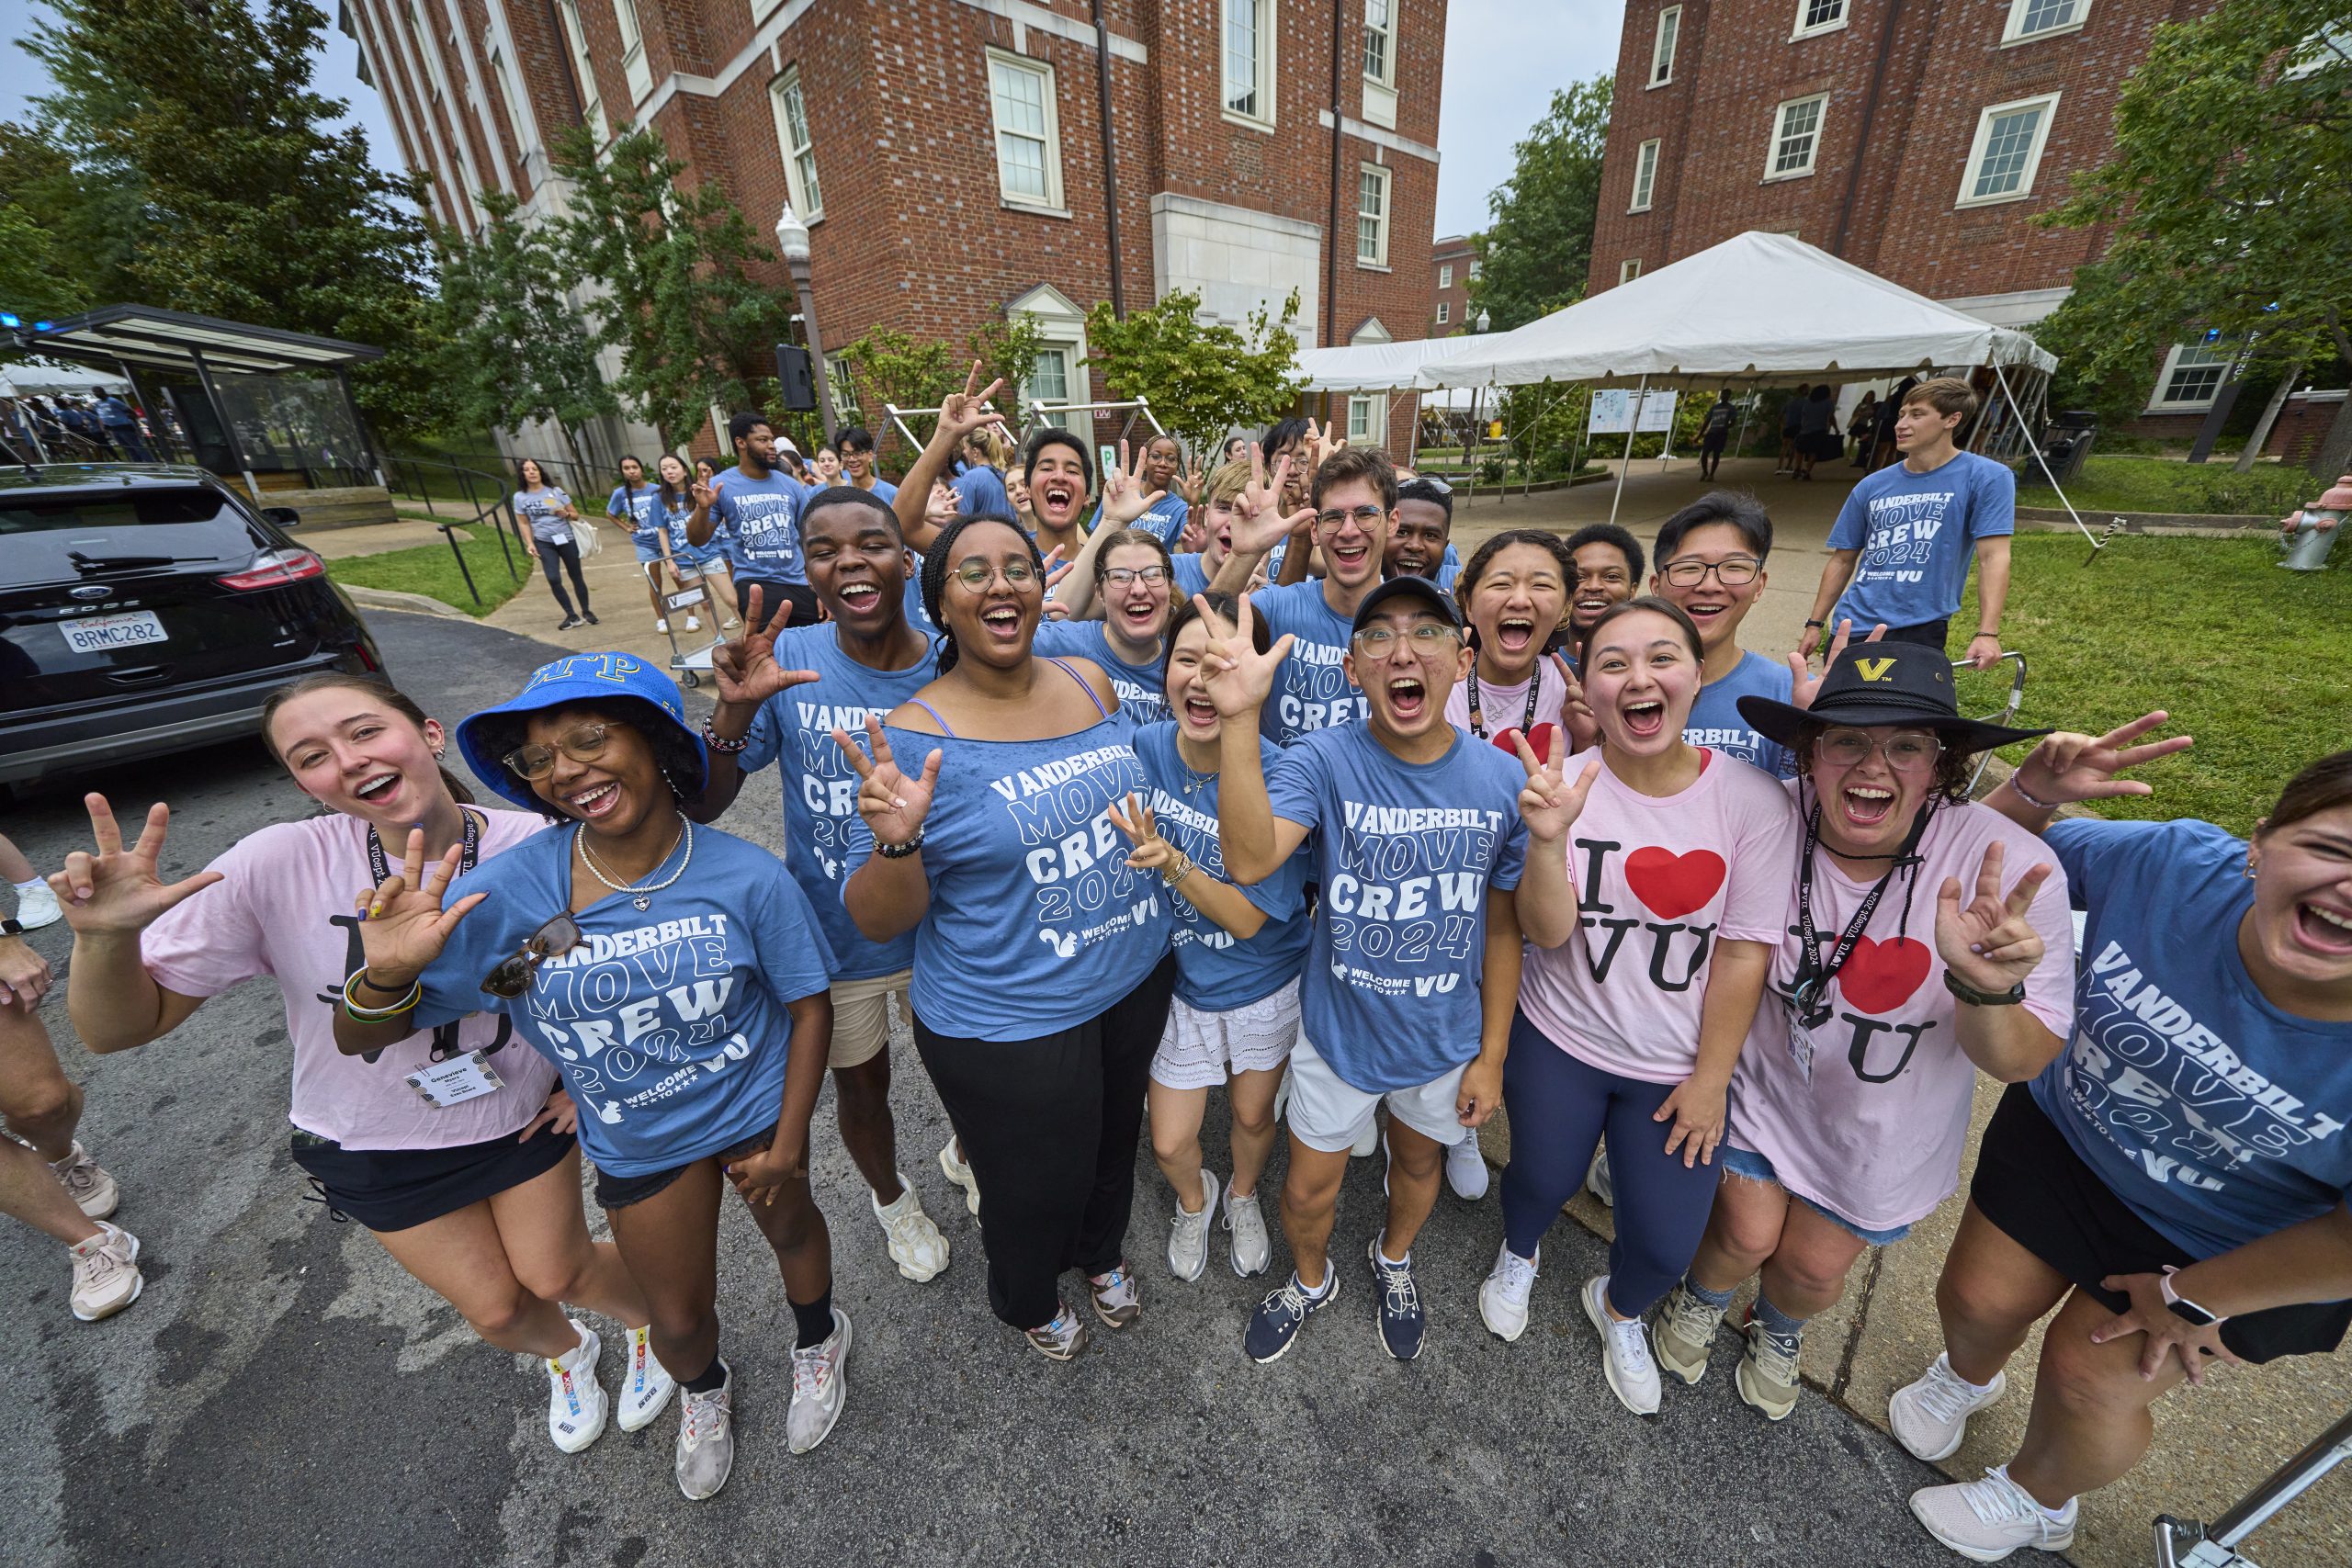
(1883, 682)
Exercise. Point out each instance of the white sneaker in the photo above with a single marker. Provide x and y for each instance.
(662, 627)
(1502, 1299)
(916, 1246)
(1367, 1141)
(1061, 1339)
(819, 1385)
(1187, 1233)
(105, 1273)
(694, 623)
(1985, 1520)
(705, 1451)
(37, 907)
(1624, 1351)
(951, 1161)
(93, 1192)
(1466, 1169)
(1245, 1223)
(1595, 1178)
(1930, 1417)
(577, 1404)
(646, 1384)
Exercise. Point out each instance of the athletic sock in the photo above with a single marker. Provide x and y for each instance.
(815, 1320)
(709, 1380)
(1313, 1293)
(1719, 1300)
(1774, 1321)
(572, 1360)
(35, 886)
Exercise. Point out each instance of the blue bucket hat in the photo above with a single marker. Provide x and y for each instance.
(580, 678)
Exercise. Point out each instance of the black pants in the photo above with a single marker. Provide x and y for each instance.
(568, 553)
(1932, 633)
(1049, 1127)
(799, 596)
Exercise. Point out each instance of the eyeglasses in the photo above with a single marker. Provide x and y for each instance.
(1122, 576)
(1737, 571)
(1426, 636)
(978, 575)
(583, 744)
(513, 976)
(1906, 751)
(1364, 517)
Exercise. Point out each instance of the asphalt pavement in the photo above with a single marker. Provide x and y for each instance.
(284, 1394)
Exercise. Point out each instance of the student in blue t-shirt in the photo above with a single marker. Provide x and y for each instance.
(1159, 468)
(783, 690)
(2176, 1182)
(1119, 598)
(1710, 560)
(1042, 974)
(1900, 549)
(1420, 543)
(1417, 842)
(757, 505)
(635, 507)
(981, 487)
(549, 519)
(676, 978)
(1239, 952)
(855, 445)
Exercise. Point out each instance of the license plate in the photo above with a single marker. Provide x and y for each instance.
(103, 634)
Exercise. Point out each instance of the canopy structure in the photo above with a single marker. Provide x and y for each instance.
(1373, 367)
(1757, 310)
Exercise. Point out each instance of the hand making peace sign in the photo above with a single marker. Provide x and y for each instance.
(893, 804)
(1988, 942)
(960, 413)
(117, 891)
(1151, 852)
(1549, 804)
(745, 665)
(2069, 767)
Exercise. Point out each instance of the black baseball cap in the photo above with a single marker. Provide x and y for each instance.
(1438, 602)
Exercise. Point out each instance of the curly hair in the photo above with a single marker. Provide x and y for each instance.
(934, 574)
(1954, 767)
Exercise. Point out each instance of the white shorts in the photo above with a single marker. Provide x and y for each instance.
(1199, 1049)
(862, 1016)
(1328, 1115)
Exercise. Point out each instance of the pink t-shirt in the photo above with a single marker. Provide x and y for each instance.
(1659, 881)
(1500, 708)
(1873, 1130)
(283, 907)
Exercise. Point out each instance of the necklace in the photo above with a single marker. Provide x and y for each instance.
(642, 896)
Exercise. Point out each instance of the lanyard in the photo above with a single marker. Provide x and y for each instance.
(1809, 995)
(1477, 719)
(470, 850)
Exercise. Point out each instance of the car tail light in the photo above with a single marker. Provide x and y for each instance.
(276, 569)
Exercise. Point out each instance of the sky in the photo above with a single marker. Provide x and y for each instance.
(1495, 87)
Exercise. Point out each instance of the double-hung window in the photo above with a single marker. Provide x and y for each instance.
(2008, 149)
(1028, 132)
(1247, 52)
(792, 139)
(1645, 176)
(2040, 18)
(1796, 136)
(1662, 42)
(1371, 215)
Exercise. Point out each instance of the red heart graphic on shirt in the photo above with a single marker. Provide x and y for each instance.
(1672, 884)
(1539, 741)
(1879, 977)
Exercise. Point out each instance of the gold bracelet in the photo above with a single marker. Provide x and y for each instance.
(1183, 869)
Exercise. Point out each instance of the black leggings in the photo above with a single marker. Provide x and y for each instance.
(568, 553)
(1049, 1127)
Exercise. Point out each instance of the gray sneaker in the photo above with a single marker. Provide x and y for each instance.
(819, 1387)
(1684, 1332)
(93, 1190)
(705, 1439)
(1245, 1223)
(1187, 1233)
(1117, 1299)
(105, 1273)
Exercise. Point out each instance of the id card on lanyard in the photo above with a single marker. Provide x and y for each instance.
(1807, 998)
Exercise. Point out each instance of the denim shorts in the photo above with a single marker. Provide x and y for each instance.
(1756, 1168)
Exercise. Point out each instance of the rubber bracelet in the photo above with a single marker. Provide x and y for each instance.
(2019, 791)
(1820, 625)
(360, 1015)
(1974, 997)
(717, 743)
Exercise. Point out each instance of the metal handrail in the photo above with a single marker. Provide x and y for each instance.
(499, 511)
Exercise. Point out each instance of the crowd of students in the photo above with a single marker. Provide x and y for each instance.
(1389, 831)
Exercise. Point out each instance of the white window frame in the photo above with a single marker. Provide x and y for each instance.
(1629, 269)
(1779, 133)
(1969, 171)
(1664, 41)
(436, 74)
(1645, 158)
(1832, 25)
(1477, 269)
(592, 101)
(1444, 311)
(1051, 202)
(501, 71)
(1445, 275)
(2013, 26)
(1384, 32)
(1384, 220)
(1261, 33)
(633, 61)
(2217, 354)
(1368, 420)
(805, 188)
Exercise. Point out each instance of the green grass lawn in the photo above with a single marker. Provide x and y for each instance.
(2157, 484)
(432, 570)
(2248, 658)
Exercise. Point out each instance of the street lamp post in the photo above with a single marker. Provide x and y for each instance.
(792, 239)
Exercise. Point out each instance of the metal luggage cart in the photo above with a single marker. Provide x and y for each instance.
(2007, 714)
(2192, 1543)
(690, 662)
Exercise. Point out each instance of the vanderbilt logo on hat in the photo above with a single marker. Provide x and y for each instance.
(1874, 668)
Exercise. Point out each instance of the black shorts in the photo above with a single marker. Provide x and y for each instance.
(395, 1189)
(2036, 1189)
(802, 598)
(620, 1191)
(1713, 441)
(1933, 633)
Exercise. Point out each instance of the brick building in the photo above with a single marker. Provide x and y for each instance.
(1918, 141)
(952, 158)
(1453, 262)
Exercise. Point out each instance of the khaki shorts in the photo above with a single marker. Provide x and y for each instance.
(862, 1016)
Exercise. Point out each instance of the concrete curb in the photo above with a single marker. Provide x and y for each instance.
(393, 599)
(2160, 524)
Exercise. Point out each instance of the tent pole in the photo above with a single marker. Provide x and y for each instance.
(1632, 424)
(2097, 544)
(1746, 404)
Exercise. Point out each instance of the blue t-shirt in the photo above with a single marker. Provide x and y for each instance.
(1404, 854)
(1142, 688)
(982, 489)
(1165, 517)
(541, 511)
(1716, 721)
(820, 786)
(1036, 924)
(1216, 971)
(1918, 532)
(640, 509)
(2214, 1115)
(1312, 690)
(667, 1024)
(1190, 576)
(762, 522)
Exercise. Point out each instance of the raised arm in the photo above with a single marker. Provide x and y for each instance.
(1989, 945)
(2065, 768)
(110, 896)
(1254, 841)
(1258, 525)
(403, 929)
(1546, 904)
(960, 413)
(748, 675)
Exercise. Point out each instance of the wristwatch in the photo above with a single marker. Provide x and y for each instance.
(2181, 1307)
(1976, 998)
(11, 928)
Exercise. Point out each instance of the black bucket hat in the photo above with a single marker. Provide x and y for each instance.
(1883, 682)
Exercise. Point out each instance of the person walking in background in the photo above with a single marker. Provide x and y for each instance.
(1791, 416)
(1889, 409)
(1714, 433)
(635, 507)
(549, 521)
(1817, 434)
(121, 422)
(1863, 428)
(757, 505)
(855, 445)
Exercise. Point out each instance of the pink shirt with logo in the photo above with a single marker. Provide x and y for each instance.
(1659, 881)
(1500, 708)
(1873, 1130)
(283, 907)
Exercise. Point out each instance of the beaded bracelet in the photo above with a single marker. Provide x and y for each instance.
(2018, 790)
(360, 1015)
(725, 748)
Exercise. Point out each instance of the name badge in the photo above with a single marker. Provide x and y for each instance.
(443, 1084)
(561, 536)
(1800, 1044)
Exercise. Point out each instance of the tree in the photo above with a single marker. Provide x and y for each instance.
(2230, 196)
(1202, 379)
(887, 367)
(1535, 254)
(207, 175)
(694, 327)
(1007, 348)
(513, 348)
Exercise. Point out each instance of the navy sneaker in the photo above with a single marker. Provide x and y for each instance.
(1275, 1324)
(1403, 1319)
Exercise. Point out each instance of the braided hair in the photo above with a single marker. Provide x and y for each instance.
(934, 574)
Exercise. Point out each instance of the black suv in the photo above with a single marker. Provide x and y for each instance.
(147, 609)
